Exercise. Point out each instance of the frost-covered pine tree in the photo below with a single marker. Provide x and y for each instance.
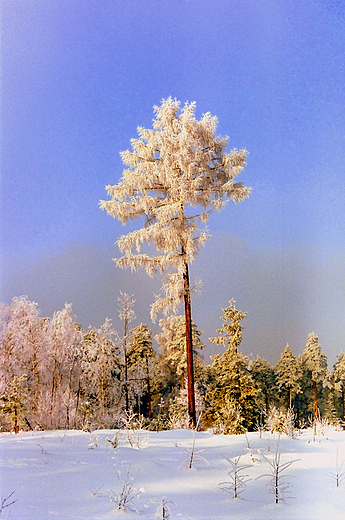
(232, 402)
(101, 368)
(339, 379)
(315, 363)
(141, 355)
(173, 345)
(289, 374)
(177, 172)
(265, 381)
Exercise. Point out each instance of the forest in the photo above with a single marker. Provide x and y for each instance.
(55, 375)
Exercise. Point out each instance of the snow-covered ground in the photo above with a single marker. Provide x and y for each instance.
(77, 475)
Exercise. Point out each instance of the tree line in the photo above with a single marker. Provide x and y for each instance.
(55, 375)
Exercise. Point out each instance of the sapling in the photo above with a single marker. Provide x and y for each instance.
(163, 510)
(124, 499)
(278, 486)
(94, 441)
(239, 480)
(339, 474)
(250, 450)
(127, 418)
(192, 452)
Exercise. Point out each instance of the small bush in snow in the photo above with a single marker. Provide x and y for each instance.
(124, 499)
(114, 442)
(280, 422)
(94, 441)
(238, 480)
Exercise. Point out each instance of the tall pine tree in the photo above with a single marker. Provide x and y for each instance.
(176, 173)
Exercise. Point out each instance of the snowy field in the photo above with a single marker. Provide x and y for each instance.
(77, 475)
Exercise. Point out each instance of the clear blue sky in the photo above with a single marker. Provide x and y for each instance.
(79, 76)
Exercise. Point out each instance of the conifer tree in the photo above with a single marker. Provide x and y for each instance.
(315, 364)
(289, 374)
(173, 345)
(101, 367)
(265, 381)
(339, 378)
(141, 355)
(232, 401)
(176, 173)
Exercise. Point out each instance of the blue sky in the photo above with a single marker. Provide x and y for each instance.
(79, 76)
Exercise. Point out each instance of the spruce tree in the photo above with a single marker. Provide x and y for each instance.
(265, 381)
(232, 400)
(141, 355)
(288, 375)
(315, 363)
(339, 378)
(176, 173)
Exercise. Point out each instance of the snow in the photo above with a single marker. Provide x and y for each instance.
(69, 475)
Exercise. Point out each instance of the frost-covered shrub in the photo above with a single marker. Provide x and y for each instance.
(230, 421)
(178, 411)
(281, 422)
(125, 497)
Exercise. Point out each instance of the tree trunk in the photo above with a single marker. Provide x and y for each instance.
(289, 398)
(126, 364)
(16, 426)
(316, 402)
(189, 345)
(149, 389)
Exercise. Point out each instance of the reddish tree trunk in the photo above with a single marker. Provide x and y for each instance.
(189, 346)
(316, 402)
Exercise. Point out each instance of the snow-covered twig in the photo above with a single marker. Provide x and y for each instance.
(7, 501)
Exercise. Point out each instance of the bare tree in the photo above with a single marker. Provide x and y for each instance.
(177, 173)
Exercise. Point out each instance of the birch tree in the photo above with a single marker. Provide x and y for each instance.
(175, 175)
(126, 314)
